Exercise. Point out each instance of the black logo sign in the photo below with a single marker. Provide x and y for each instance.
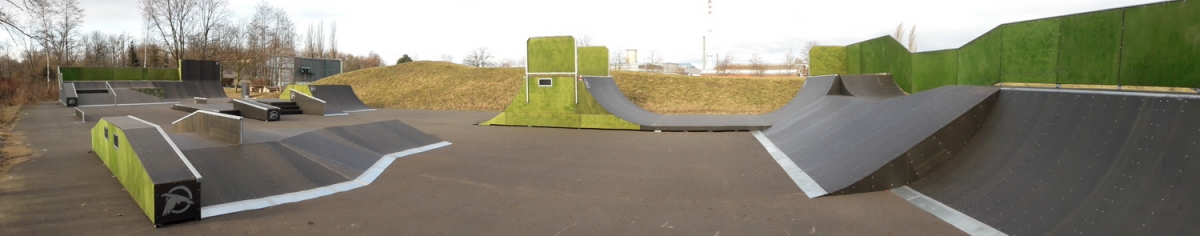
(178, 200)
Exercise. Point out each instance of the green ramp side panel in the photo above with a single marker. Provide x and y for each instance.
(853, 59)
(551, 54)
(594, 116)
(1030, 51)
(549, 105)
(886, 55)
(934, 69)
(145, 162)
(1090, 48)
(593, 61)
(286, 94)
(828, 60)
(124, 164)
(979, 60)
(1162, 45)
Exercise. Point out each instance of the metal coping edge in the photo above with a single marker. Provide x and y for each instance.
(802, 179)
(364, 179)
(954, 217)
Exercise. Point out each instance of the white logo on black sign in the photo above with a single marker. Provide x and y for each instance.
(179, 195)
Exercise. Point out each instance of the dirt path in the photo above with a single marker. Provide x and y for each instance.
(13, 150)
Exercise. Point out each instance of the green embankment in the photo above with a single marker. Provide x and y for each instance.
(124, 164)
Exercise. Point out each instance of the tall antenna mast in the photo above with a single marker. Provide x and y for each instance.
(704, 38)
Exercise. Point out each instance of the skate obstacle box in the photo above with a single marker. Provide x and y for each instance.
(150, 167)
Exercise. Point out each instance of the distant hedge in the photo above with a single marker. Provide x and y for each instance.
(100, 74)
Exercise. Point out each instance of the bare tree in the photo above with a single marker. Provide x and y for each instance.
(790, 61)
(758, 65)
(333, 43)
(584, 40)
(172, 21)
(57, 24)
(481, 57)
(803, 60)
(912, 39)
(10, 20)
(508, 63)
(211, 14)
(447, 58)
(723, 64)
(654, 62)
(618, 61)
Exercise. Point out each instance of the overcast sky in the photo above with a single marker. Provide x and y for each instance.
(427, 29)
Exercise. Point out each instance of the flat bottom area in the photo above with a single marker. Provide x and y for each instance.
(492, 181)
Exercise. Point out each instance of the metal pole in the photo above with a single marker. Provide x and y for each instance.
(576, 77)
(526, 79)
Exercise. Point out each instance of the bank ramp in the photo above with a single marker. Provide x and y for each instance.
(244, 169)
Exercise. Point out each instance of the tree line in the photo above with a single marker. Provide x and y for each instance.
(44, 34)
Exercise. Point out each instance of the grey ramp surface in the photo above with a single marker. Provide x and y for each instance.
(93, 99)
(486, 170)
(851, 145)
(609, 96)
(157, 157)
(130, 96)
(305, 161)
(340, 96)
(873, 87)
(606, 92)
(1063, 162)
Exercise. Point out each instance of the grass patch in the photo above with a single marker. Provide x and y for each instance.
(675, 94)
(447, 86)
(433, 86)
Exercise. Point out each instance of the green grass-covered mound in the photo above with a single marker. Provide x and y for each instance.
(449, 86)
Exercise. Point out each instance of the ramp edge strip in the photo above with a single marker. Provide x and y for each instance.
(186, 162)
(360, 110)
(802, 179)
(128, 104)
(1106, 92)
(949, 215)
(363, 180)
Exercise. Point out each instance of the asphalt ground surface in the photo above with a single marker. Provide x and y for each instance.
(491, 181)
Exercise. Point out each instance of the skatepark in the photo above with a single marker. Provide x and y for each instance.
(875, 143)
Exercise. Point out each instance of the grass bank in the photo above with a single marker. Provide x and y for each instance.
(448, 86)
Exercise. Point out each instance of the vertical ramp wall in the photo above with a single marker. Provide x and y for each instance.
(1145, 45)
(552, 95)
